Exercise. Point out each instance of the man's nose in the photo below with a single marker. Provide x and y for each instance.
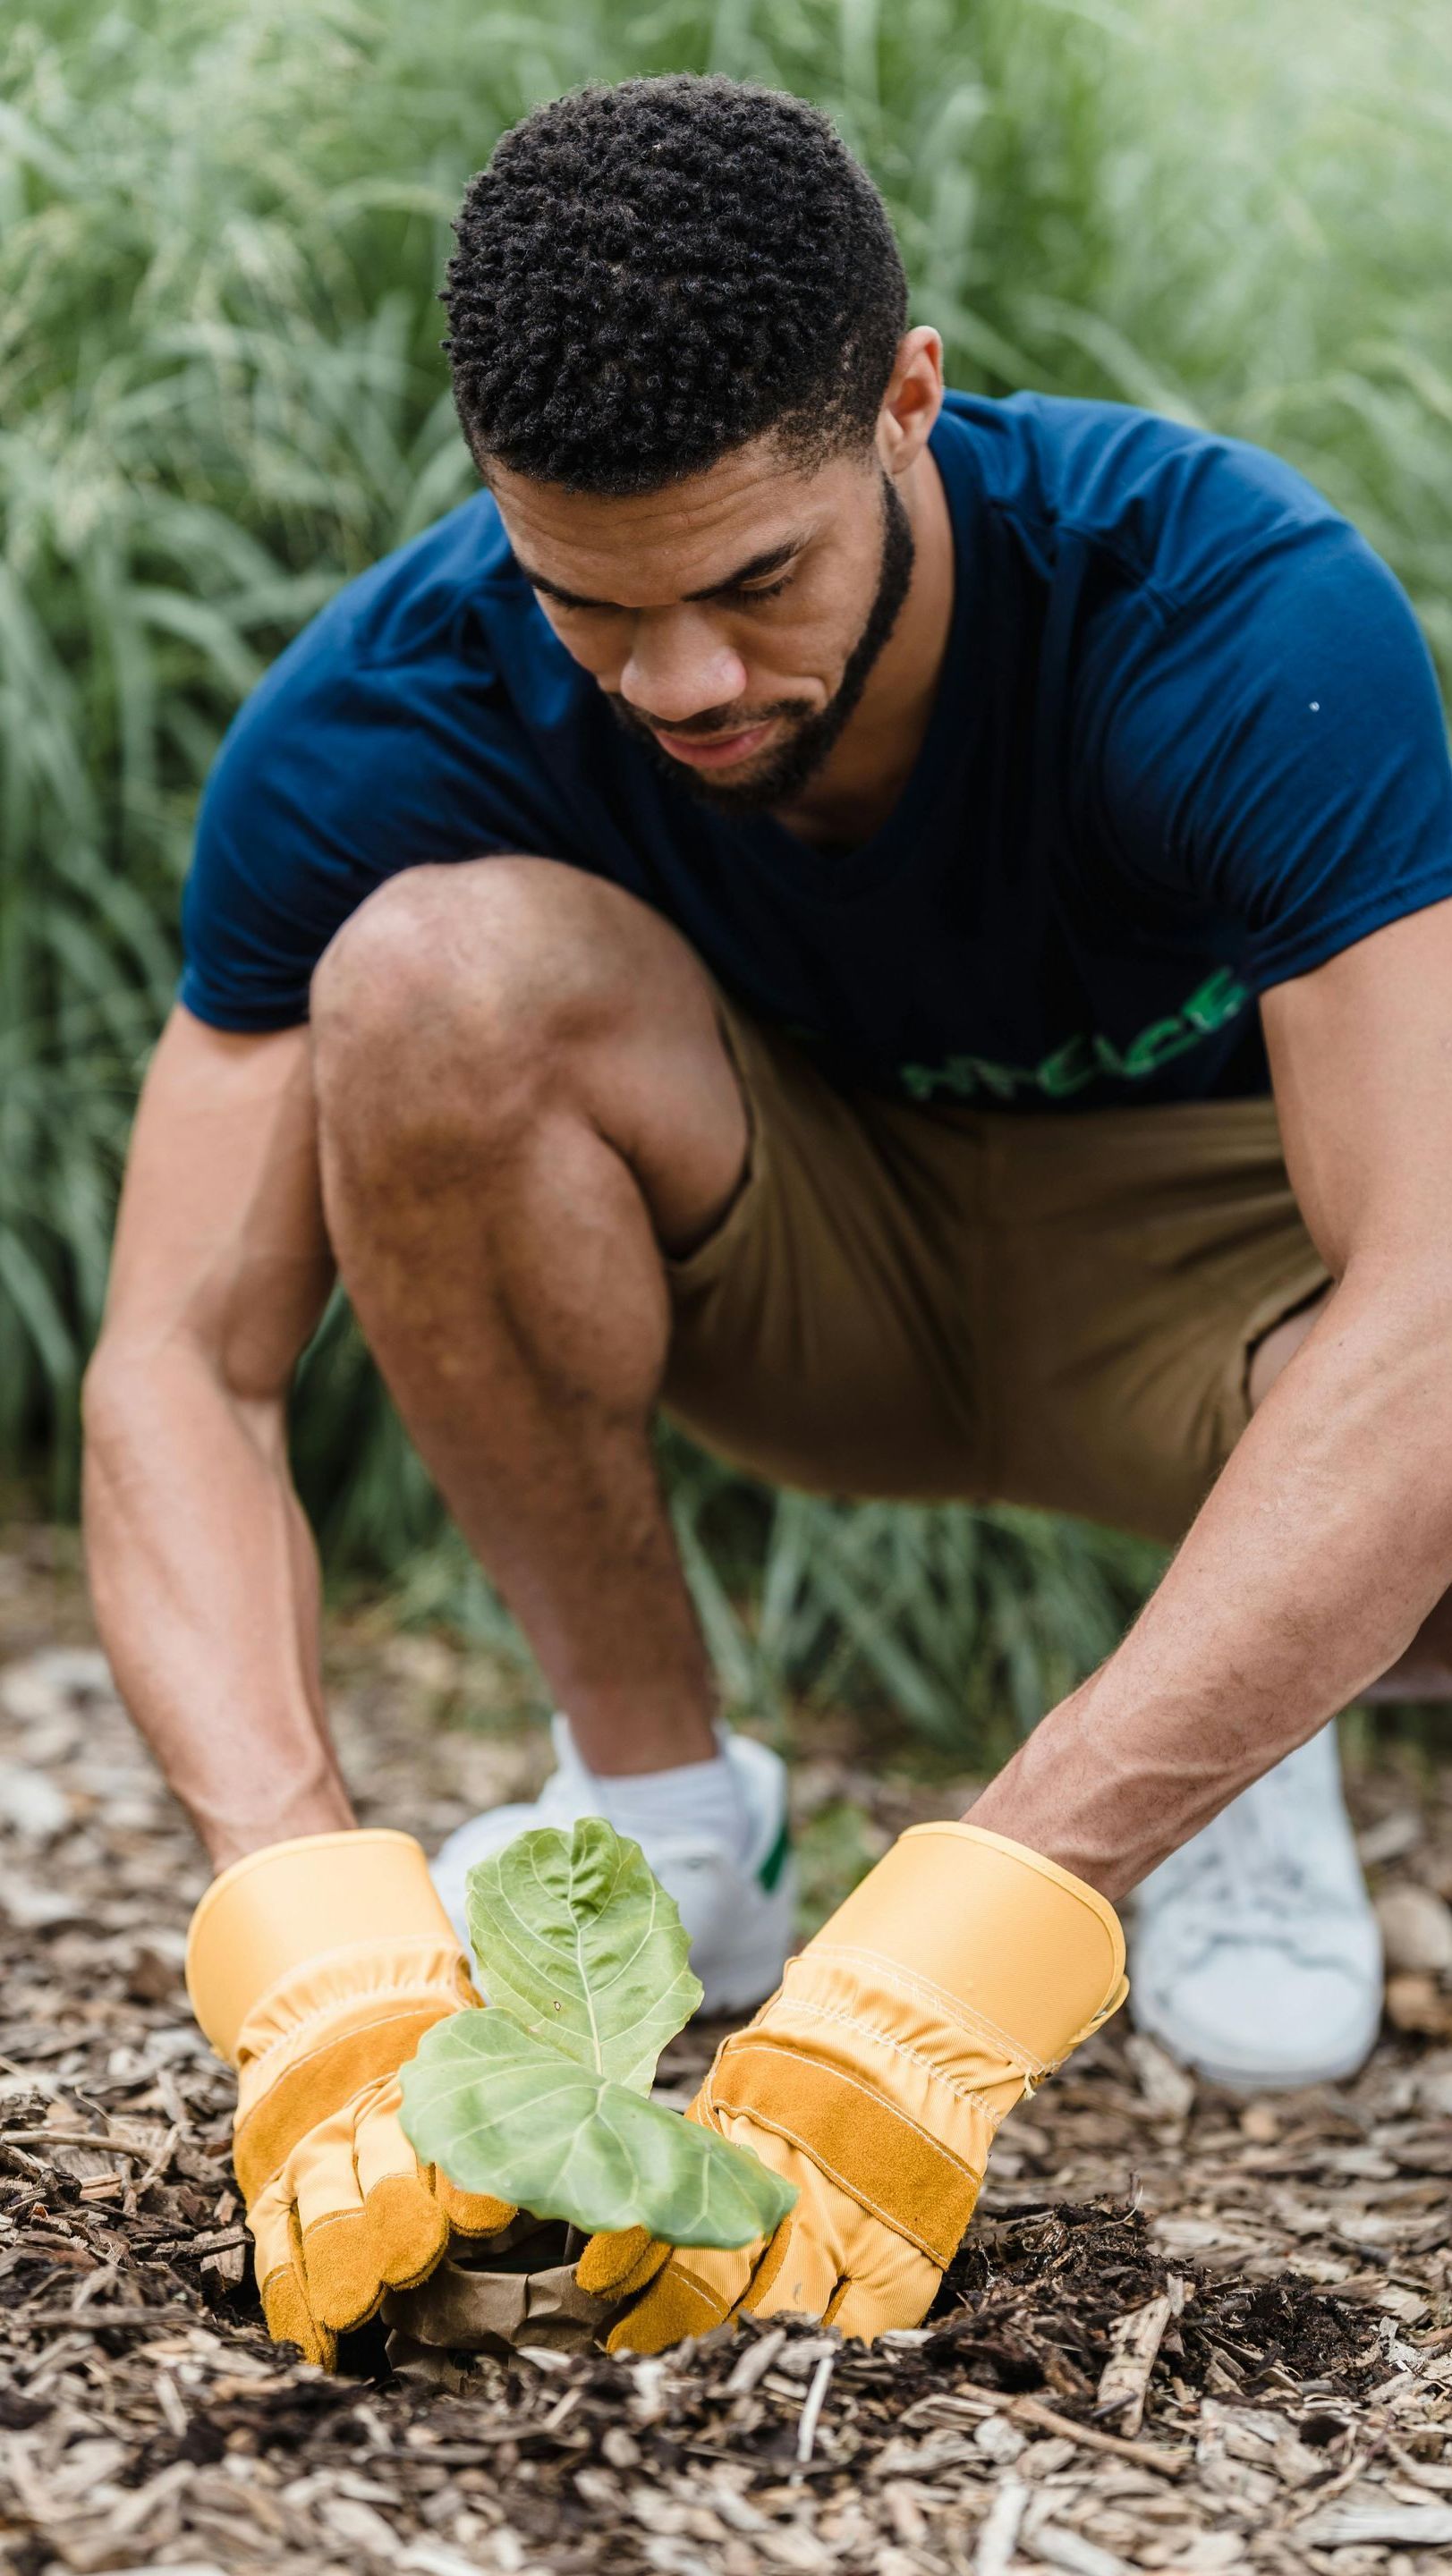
(678, 669)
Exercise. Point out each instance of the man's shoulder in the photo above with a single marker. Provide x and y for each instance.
(1176, 505)
(402, 726)
(397, 712)
(439, 592)
(437, 652)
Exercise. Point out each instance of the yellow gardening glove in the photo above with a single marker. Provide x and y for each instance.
(315, 1967)
(960, 1973)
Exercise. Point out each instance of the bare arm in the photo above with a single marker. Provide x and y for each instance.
(202, 1566)
(1328, 1537)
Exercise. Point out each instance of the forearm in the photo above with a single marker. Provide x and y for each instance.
(1323, 1546)
(205, 1585)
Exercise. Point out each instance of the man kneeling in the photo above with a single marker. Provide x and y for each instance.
(912, 930)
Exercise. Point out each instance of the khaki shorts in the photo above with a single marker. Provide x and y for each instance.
(929, 1302)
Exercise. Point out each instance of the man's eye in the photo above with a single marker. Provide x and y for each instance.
(773, 590)
(602, 608)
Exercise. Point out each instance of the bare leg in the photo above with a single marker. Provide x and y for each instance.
(1425, 1670)
(523, 1095)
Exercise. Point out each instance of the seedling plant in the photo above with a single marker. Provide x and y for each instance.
(542, 2096)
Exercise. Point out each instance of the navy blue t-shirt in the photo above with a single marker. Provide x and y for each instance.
(1187, 742)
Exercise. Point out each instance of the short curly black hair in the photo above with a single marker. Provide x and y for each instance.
(649, 275)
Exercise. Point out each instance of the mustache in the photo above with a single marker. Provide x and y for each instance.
(721, 720)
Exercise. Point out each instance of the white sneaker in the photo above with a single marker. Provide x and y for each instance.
(1255, 1955)
(739, 1913)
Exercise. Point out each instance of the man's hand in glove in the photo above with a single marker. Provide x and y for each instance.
(961, 1972)
(315, 1967)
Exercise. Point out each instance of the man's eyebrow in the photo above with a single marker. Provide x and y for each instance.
(772, 560)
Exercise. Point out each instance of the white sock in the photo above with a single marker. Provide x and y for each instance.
(695, 1798)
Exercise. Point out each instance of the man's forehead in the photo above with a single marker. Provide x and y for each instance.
(647, 549)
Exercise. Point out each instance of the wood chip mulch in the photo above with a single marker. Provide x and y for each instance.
(1185, 2333)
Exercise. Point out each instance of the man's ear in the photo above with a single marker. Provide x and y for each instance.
(913, 399)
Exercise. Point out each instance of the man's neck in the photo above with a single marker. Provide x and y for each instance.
(854, 792)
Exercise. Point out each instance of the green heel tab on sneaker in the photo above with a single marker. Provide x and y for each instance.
(769, 1874)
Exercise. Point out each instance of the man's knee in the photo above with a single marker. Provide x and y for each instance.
(454, 992)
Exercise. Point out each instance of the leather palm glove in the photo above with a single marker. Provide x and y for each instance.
(315, 1967)
(961, 1972)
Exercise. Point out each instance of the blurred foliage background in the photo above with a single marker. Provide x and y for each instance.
(222, 225)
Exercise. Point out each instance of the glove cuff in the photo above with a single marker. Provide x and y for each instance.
(961, 1970)
(1005, 1943)
(293, 1904)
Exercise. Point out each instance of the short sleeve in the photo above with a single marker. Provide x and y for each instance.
(1275, 756)
(343, 769)
(316, 798)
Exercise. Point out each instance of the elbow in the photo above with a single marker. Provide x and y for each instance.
(131, 1385)
(108, 1409)
(113, 1397)
(1411, 1279)
(148, 1394)
(1395, 1308)
(101, 1391)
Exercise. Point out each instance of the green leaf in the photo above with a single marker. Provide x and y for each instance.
(502, 2112)
(578, 1942)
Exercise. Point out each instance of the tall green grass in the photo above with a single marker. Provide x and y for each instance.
(221, 227)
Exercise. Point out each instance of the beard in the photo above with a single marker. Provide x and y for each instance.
(815, 732)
